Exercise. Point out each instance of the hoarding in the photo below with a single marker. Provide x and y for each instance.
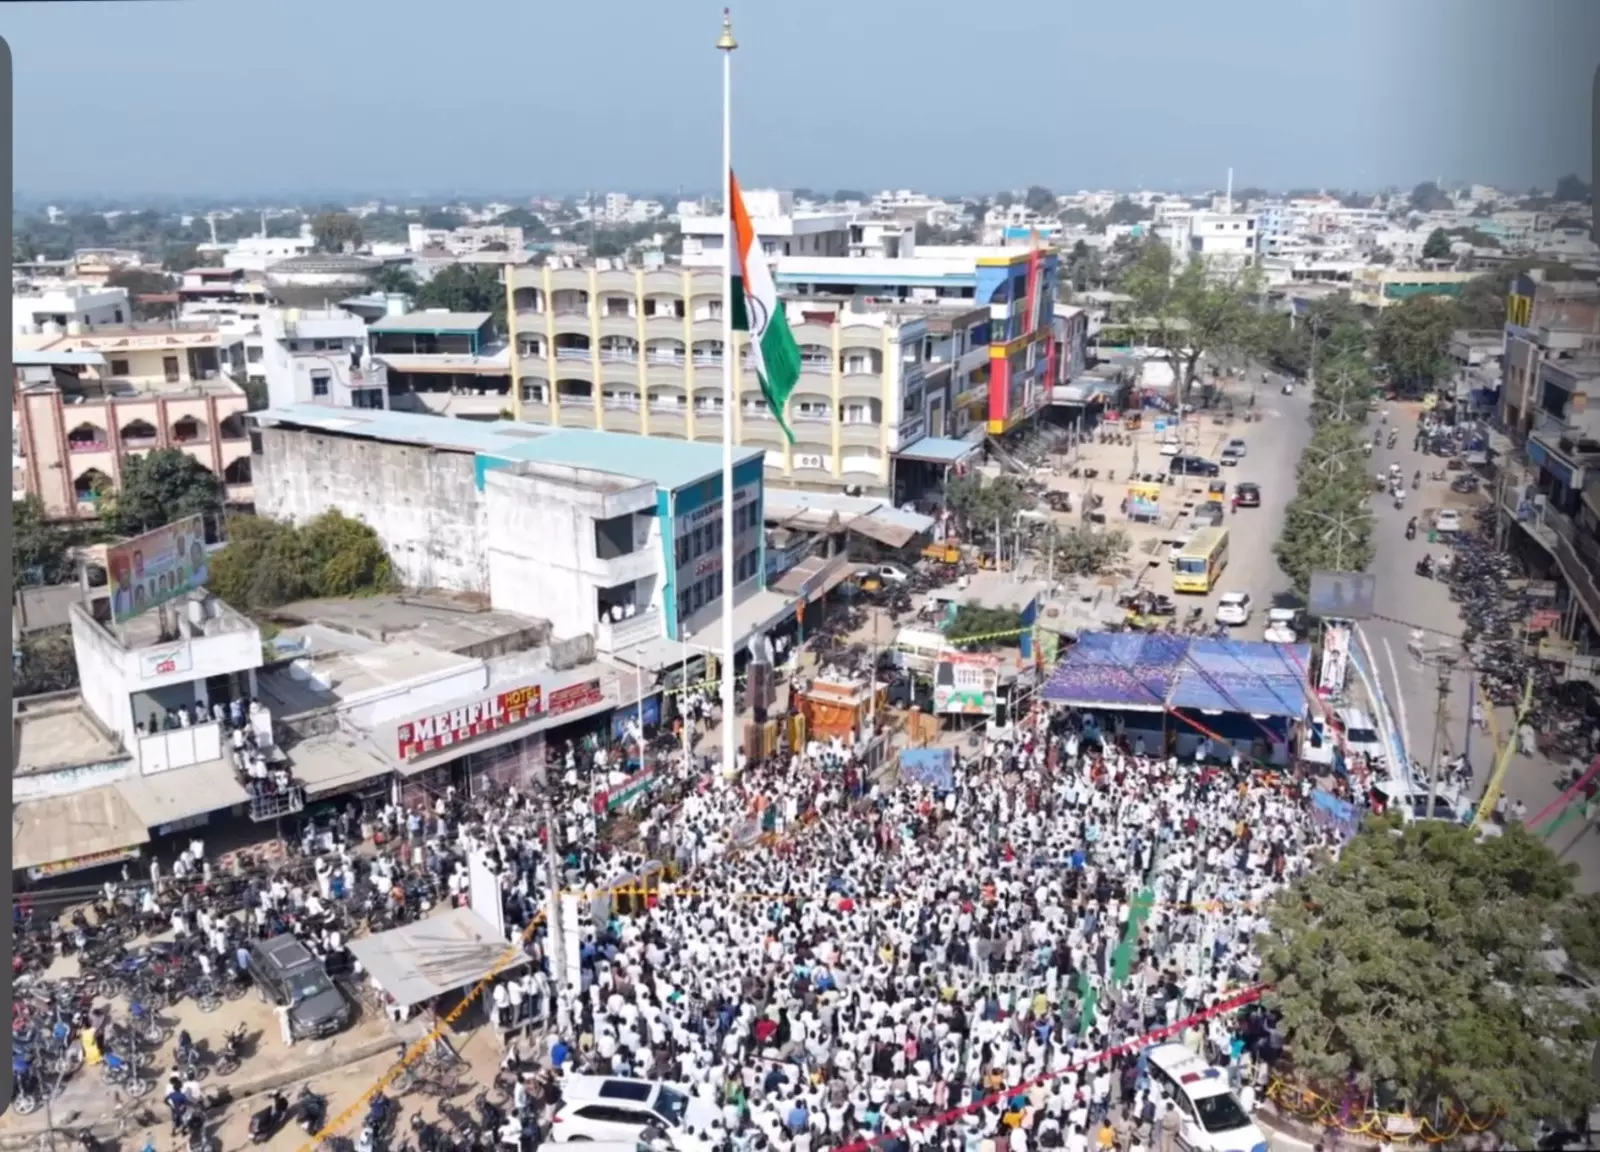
(965, 684)
(1341, 595)
(444, 729)
(574, 696)
(156, 568)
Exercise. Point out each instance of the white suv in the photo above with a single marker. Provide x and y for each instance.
(1213, 1118)
(1234, 609)
(614, 1108)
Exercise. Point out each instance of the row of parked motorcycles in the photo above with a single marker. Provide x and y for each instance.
(1496, 601)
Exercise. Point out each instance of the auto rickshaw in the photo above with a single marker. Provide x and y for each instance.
(946, 552)
(1217, 488)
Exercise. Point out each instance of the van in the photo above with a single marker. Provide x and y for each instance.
(603, 1109)
(1359, 736)
(919, 650)
(1213, 1120)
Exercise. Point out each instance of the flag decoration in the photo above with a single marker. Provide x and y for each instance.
(758, 311)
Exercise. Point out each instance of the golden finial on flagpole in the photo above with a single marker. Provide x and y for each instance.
(726, 42)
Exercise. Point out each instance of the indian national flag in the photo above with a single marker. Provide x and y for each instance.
(758, 311)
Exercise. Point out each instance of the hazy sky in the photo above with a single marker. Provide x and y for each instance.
(429, 96)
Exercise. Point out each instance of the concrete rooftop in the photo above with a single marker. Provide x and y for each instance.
(437, 623)
(349, 665)
(669, 464)
(58, 732)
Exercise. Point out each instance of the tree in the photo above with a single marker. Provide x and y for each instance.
(182, 258)
(848, 195)
(141, 284)
(1079, 551)
(159, 488)
(465, 288)
(395, 278)
(1482, 303)
(1571, 190)
(1327, 529)
(41, 553)
(532, 226)
(267, 564)
(1125, 211)
(1040, 200)
(979, 505)
(1427, 197)
(47, 664)
(335, 231)
(1413, 340)
(975, 627)
(1005, 199)
(1436, 246)
(1195, 311)
(443, 219)
(1409, 972)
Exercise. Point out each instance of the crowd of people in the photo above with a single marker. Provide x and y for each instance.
(894, 952)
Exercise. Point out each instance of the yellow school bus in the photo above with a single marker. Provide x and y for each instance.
(1201, 561)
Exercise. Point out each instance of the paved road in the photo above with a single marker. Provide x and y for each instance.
(1408, 601)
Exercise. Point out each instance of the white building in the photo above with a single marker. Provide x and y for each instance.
(784, 231)
(258, 253)
(69, 308)
(464, 240)
(1228, 241)
(318, 357)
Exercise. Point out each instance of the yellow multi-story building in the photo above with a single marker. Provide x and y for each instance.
(641, 351)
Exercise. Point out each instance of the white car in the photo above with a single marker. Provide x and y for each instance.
(1211, 1117)
(1234, 609)
(615, 1108)
(1171, 447)
(892, 574)
(1281, 626)
(1447, 520)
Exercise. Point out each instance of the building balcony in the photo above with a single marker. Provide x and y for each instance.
(862, 433)
(1578, 555)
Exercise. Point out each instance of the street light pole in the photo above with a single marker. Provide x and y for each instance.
(1446, 663)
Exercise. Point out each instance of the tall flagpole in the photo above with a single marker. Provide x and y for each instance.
(730, 712)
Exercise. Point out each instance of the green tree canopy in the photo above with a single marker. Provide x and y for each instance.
(1196, 311)
(1125, 211)
(846, 195)
(1412, 968)
(1436, 246)
(1428, 197)
(979, 505)
(1571, 189)
(395, 278)
(139, 284)
(465, 288)
(1040, 199)
(335, 231)
(267, 564)
(1413, 340)
(40, 551)
(974, 627)
(158, 488)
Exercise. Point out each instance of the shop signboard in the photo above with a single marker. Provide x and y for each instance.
(573, 697)
(165, 661)
(83, 863)
(156, 568)
(445, 729)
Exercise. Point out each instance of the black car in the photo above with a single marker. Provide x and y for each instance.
(1248, 495)
(1193, 466)
(287, 974)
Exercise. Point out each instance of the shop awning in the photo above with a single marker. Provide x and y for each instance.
(177, 794)
(938, 450)
(334, 762)
(815, 577)
(429, 958)
(54, 829)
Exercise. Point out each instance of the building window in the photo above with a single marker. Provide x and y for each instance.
(116, 316)
(253, 355)
(119, 368)
(319, 384)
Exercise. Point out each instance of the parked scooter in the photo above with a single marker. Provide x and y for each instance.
(1411, 528)
(264, 1124)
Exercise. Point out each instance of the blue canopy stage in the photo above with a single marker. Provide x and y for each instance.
(1247, 693)
(1134, 671)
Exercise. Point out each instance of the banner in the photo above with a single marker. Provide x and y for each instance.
(157, 567)
(1328, 811)
(631, 789)
(932, 767)
(1335, 658)
(82, 863)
